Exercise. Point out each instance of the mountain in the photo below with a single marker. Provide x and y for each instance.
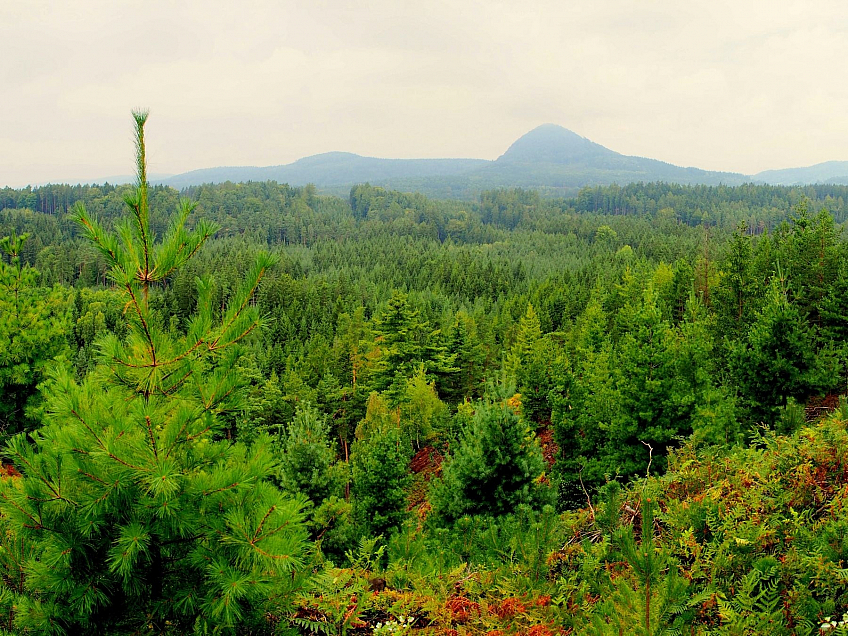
(835, 172)
(550, 143)
(553, 156)
(331, 169)
(550, 158)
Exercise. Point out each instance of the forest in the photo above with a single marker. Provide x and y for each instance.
(250, 408)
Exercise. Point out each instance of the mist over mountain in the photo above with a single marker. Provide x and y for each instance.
(835, 172)
(549, 158)
(331, 169)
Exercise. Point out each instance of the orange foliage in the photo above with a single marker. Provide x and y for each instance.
(508, 608)
(543, 601)
(461, 608)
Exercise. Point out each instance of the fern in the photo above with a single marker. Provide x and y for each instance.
(756, 605)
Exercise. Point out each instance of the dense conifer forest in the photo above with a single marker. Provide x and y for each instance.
(256, 409)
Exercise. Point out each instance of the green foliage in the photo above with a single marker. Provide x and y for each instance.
(336, 602)
(778, 359)
(138, 514)
(642, 336)
(656, 599)
(469, 359)
(737, 297)
(34, 322)
(379, 480)
(95, 314)
(404, 342)
(497, 467)
(422, 413)
(307, 457)
(333, 528)
(529, 362)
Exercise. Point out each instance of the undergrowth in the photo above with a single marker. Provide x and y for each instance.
(752, 540)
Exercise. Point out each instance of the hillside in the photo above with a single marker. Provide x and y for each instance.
(330, 169)
(835, 172)
(549, 158)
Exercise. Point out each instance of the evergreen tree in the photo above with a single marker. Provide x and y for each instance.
(778, 360)
(735, 299)
(497, 466)
(586, 407)
(469, 360)
(404, 341)
(834, 309)
(33, 327)
(654, 599)
(422, 412)
(649, 401)
(379, 468)
(528, 362)
(264, 409)
(308, 456)
(811, 258)
(140, 517)
(400, 338)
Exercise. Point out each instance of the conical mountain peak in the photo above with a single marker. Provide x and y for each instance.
(550, 143)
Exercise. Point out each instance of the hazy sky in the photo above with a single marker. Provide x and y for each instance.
(724, 85)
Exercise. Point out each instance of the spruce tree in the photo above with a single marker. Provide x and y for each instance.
(379, 468)
(140, 516)
(470, 359)
(647, 384)
(400, 338)
(404, 342)
(735, 299)
(586, 406)
(308, 456)
(778, 360)
(529, 362)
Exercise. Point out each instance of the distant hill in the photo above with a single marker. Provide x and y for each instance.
(550, 158)
(331, 169)
(834, 172)
(551, 155)
(554, 144)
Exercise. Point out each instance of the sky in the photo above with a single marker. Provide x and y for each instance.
(737, 85)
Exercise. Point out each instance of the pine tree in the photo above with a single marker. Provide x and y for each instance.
(497, 466)
(658, 601)
(140, 516)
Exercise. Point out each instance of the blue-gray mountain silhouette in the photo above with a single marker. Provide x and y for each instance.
(549, 158)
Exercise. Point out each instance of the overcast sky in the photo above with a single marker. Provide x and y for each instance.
(723, 85)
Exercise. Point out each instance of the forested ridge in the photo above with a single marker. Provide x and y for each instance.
(254, 409)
